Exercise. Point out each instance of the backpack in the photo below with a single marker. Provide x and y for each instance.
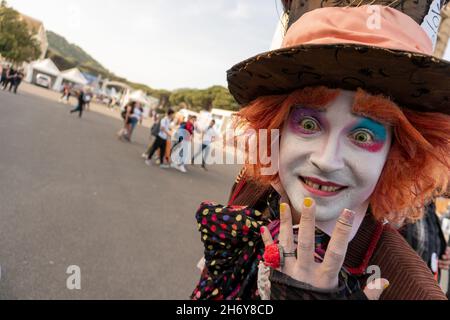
(187, 126)
(156, 128)
(183, 125)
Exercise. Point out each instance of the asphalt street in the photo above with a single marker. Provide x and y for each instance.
(72, 194)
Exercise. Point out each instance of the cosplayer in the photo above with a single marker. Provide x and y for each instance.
(364, 119)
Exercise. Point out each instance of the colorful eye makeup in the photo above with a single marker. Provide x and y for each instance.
(369, 135)
(305, 121)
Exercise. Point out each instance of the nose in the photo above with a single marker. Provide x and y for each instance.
(328, 158)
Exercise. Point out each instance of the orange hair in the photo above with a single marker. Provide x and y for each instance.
(418, 166)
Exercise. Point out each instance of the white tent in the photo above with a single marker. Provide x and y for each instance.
(41, 66)
(146, 101)
(73, 76)
(142, 98)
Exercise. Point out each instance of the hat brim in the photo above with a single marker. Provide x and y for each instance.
(416, 81)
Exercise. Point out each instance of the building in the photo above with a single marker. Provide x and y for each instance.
(41, 35)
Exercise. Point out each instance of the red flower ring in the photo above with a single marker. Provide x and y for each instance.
(272, 256)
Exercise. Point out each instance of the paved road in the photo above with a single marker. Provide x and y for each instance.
(72, 194)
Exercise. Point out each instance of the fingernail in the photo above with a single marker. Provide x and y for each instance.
(386, 286)
(308, 202)
(348, 216)
(262, 230)
(283, 208)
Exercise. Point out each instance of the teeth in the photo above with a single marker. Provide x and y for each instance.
(320, 187)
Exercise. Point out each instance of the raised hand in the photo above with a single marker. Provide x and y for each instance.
(299, 260)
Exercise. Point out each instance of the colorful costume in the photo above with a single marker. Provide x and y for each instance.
(337, 48)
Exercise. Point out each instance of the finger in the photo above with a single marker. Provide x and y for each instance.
(375, 289)
(279, 188)
(286, 237)
(337, 248)
(306, 234)
(266, 236)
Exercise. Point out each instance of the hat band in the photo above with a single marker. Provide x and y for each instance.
(374, 25)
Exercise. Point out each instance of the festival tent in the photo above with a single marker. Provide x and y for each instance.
(72, 76)
(46, 67)
(142, 98)
(146, 101)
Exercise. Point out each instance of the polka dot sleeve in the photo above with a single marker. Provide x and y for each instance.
(233, 249)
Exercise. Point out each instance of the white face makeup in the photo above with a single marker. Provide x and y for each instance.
(332, 156)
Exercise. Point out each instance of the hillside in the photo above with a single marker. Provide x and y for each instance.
(67, 55)
(58, 45)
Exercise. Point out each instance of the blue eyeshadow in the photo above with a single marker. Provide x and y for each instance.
(377, 128)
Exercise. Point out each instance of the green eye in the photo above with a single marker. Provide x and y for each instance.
(362, 136)
(309, 125)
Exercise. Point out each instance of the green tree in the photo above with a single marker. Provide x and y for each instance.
(17, 42)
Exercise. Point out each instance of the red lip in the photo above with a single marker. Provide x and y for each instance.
(323, 183)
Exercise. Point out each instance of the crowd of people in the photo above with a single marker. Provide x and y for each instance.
(11, 78)
(174, 135)
(171, 135)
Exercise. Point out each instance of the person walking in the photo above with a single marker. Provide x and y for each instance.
(154, 132)
(80, 105)
(209, 137)
(4, 75)
(10, 73)
(66, 92)
(137, 116)
(87, 100)
(126, 115)
(161, 140)
(17, 80)
(182, 143)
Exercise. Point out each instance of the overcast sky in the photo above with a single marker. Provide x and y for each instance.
(165, 44)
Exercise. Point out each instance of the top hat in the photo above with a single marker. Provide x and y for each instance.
(373, 47)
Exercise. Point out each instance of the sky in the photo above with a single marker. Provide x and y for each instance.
(165, 44)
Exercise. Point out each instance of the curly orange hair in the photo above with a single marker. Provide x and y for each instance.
(418, 166)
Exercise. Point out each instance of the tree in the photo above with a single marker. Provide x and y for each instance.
(17, 42)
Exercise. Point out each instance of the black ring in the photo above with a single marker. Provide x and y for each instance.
(290, 255)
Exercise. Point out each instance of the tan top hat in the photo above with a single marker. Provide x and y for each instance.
(372, 47)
